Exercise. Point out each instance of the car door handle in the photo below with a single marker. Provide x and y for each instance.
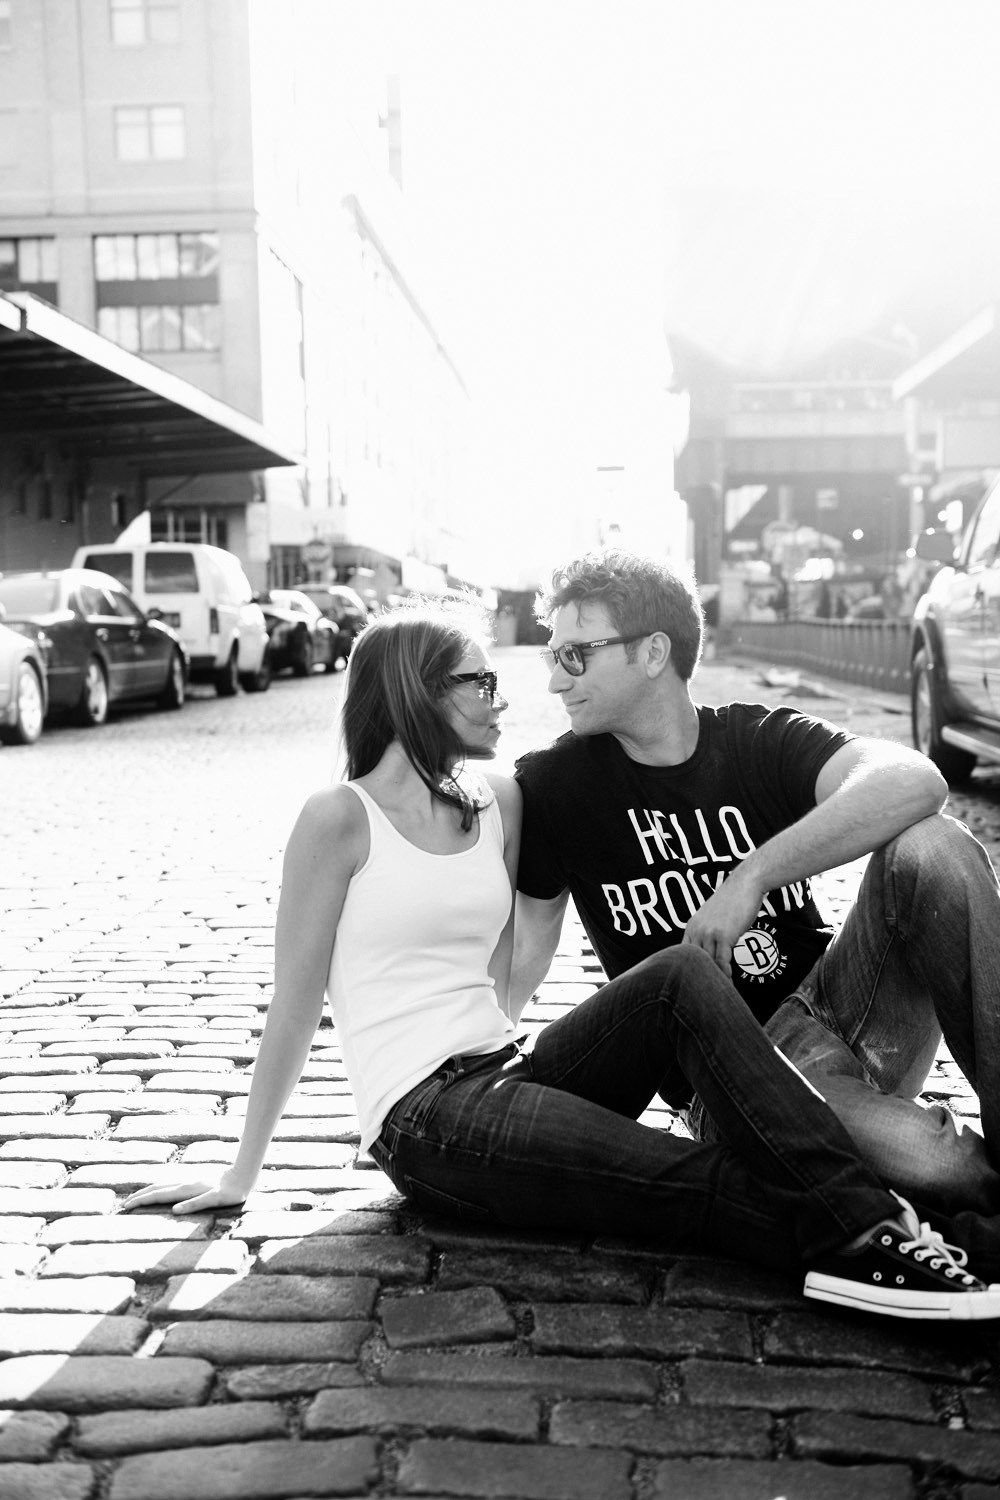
(101, 633)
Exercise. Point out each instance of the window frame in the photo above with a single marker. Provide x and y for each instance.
(148, 16)
(147, 126)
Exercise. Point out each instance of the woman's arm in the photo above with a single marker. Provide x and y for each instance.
(328, 843)
(508, 795)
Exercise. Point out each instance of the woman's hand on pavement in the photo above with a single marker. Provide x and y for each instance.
(191, 1197)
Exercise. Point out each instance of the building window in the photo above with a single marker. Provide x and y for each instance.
(6, 31)
(158, 293)
(136, 22)
(209, 526)
(189, 256)
(149, 132)
(30, 265)
(160, 329)
(8, 137)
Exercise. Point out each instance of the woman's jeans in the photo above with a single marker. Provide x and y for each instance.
(918, 955)
(551, 1140)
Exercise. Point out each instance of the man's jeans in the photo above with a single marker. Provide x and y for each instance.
(552, 1139)
(918, 954)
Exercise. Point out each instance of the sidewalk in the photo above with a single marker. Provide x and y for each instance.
(327, 1339)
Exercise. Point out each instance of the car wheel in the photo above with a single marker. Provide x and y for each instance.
(92, 709)
(227, 678)
(926, 717)
(305, 657)
(173, 689)
(30, 699)
(259, 681)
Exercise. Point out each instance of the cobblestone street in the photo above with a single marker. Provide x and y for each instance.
(325, 1339)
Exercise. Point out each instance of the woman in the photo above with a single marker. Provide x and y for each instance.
(397, 901)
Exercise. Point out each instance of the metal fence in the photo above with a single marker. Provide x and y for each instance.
(874, 653)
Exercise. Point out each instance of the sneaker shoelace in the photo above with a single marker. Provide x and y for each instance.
(925, 1242)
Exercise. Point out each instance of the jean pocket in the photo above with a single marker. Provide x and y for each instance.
(432, 1200)
(415, 1108)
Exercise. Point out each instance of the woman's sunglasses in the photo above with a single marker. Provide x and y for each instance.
(486, 682)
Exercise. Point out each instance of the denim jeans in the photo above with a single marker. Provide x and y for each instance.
(918, 955)
(551, 1139)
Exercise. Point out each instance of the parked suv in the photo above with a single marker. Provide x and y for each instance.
(205, 595)
(344, 607)
(955, 646)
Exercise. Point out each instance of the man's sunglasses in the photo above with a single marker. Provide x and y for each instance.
(571, 656)
(485, 681)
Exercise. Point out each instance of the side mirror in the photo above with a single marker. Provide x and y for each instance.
(154, 614)
(936, 546)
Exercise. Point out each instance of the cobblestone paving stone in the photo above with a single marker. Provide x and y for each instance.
(325, 1338)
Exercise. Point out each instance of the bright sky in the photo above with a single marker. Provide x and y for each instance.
(764, 176)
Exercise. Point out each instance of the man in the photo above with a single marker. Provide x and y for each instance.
(672, 823)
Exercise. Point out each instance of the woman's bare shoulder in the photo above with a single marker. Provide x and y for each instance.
(334, 817)
(337, 803)
(506, 790)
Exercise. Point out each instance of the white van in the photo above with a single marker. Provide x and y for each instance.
(205, 595)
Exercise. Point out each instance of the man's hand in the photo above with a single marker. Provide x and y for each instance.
(724, 919)
(192, 1197)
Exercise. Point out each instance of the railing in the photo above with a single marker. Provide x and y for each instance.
(874, 653)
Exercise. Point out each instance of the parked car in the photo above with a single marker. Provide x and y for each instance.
(205, 595)
(299, 634)
(955, 646)
(98, 646)
(23, 693)
(344, 607)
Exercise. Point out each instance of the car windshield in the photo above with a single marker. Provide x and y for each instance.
(292, 599)
(170, 573)
(118, 564)
(29, 596)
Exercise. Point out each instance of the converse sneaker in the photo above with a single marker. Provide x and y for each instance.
(904, 1269)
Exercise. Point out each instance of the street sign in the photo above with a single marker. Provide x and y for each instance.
(317, 553)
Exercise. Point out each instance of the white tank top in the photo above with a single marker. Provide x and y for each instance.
(408, 980)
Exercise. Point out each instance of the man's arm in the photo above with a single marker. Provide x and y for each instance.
(537, 925)
(866, 793)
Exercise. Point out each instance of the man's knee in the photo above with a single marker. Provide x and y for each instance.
(938, 847)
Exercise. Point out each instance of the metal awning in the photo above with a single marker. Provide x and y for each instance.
(965, 366)
(61, 380)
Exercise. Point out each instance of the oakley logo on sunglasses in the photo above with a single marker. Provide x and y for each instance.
(571, 656)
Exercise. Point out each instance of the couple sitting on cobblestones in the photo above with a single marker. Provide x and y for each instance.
(687, 837)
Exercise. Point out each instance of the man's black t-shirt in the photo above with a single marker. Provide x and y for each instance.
(641, 848)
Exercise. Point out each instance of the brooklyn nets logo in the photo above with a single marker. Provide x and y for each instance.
(757, 955)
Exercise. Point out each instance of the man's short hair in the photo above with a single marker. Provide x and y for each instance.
(641, 595)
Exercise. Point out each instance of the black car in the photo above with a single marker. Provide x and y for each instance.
(98, 646)
(299, 636)
(344, 607)
(955, 646)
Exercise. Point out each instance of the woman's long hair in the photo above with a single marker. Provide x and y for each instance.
(397, 678)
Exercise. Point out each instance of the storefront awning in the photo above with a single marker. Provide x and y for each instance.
(61, 380)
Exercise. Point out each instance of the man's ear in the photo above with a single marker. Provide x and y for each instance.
(657, 653)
